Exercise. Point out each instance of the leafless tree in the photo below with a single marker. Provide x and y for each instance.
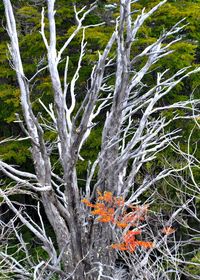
(134, 132)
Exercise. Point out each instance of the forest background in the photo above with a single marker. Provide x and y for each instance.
(187, 53)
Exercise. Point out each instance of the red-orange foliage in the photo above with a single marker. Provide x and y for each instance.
(105, 208)
(130, 242)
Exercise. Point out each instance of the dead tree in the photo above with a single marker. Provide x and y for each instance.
(129, 140)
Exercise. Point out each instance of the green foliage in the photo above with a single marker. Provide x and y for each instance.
(90, 151)
(15, 152)
(193, 268)
(9, 102)
(33, 50)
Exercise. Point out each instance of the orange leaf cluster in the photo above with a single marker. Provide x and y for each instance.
(130, 242)
(133, 218)
(105, 208)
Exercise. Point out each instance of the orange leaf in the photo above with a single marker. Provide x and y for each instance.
(168, 230)
(98, 211)
(105, 219)
(122, 224)
(108, 196)
(119, 201)
(145, 244)
(87, 202)
(111, 211)
(120, 246)
(132, 218)
(100, 205)
(131, 247)
(130, 235)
